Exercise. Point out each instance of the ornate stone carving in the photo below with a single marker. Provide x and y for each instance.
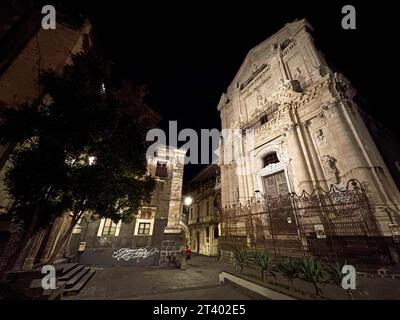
(290, 128)
(255, 68)
(306, 124)
(330, 109)
(329, 164)
(319, 137)
(260, 99)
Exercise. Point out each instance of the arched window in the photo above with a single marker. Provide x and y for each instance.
(216, 233)
(270, 158)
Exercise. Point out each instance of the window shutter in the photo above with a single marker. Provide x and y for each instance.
(100, 231)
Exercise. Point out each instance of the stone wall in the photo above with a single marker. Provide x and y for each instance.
(165, 202)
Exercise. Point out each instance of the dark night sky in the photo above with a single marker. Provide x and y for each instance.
(189, 51)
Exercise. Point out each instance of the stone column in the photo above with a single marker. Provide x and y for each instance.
(351, 154)
(171, 247)
(310, 51)
(301, 176)
(315, 162)
(354, 161)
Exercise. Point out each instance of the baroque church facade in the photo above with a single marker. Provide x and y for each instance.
(300, 129)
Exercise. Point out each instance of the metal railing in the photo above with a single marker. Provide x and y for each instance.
(334, 225)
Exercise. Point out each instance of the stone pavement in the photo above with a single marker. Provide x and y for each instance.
(199, 281)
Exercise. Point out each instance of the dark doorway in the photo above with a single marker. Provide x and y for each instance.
(198, 241)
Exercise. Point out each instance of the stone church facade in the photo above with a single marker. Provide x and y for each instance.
(300, 129)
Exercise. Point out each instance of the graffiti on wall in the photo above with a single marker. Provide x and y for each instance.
(144, 256)
(137, 255)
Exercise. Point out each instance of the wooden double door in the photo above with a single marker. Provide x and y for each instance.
(275, 185)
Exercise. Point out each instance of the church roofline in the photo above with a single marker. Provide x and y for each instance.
(292, 27)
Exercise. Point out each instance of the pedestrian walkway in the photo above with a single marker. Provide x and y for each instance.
(198, 281)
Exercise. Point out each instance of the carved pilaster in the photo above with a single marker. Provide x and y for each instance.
(298, 161)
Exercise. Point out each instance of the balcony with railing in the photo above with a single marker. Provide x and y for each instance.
(213, 217)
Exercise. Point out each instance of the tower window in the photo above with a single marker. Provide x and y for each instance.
(161, 170)
(270, 158)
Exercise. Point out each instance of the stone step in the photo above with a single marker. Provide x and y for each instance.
(64, 268)
(81, 283)
(71, 272)
(75, 279)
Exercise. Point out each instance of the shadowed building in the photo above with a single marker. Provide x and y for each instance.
(204, 212)
(25, 50)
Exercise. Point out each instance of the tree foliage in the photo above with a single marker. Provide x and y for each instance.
(81, 148)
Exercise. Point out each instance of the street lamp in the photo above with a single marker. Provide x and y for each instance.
(188, 201)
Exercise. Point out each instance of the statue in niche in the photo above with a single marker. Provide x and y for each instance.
(299, 77)
(237, 198)
(286, 84)
(329, 164)
(260, 99)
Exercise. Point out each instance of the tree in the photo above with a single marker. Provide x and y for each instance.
(81, 147)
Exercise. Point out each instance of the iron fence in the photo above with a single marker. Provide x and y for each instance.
(334, 225)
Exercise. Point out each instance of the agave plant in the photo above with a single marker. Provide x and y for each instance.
(335, 276)
(241, 258)
(313, 272)
(290, 269)
(264, 261)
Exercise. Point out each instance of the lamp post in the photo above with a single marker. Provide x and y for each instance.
(188, 201)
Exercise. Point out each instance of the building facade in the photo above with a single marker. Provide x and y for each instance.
(204, 212)
(26, 50)
(300, 129)
(104, 242)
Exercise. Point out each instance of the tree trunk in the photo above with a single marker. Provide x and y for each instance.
(11, 252)
(16, 245)
(61, 243)
(19, 241)
(318, 290)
